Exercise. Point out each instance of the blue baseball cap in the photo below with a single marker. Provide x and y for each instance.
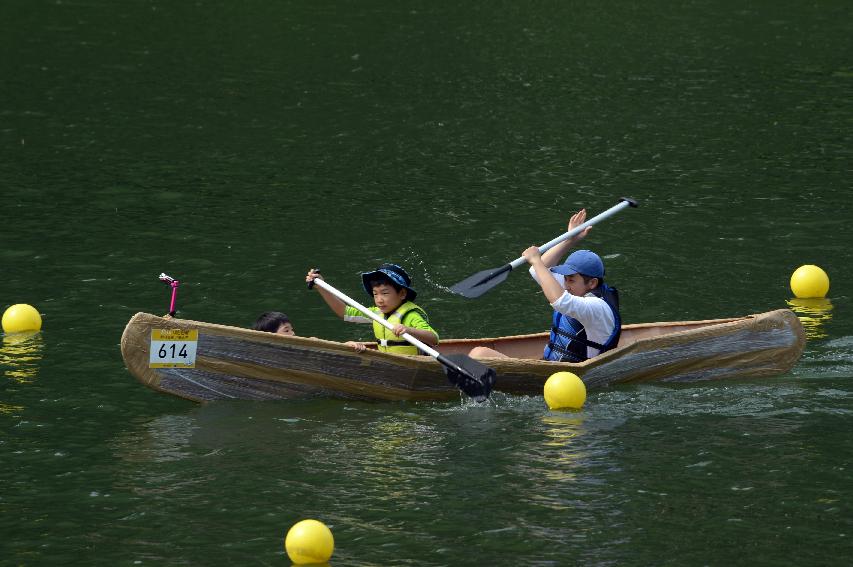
(394, 273)
(584, 262)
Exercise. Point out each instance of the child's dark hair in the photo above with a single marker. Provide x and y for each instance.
(380, 279)
(586, 279)
(270, 321)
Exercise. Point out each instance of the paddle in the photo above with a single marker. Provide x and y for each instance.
(470, 376)
(481, 282)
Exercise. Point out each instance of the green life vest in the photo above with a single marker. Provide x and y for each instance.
(386, 340)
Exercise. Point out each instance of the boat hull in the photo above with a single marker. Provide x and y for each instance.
(235, 363)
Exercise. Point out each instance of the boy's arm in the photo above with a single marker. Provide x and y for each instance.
(333, 302)
(552, 257)
(550, 286)
(423, 335)
(419, 328)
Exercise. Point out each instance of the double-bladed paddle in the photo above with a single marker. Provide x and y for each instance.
(481, 282)
(472, 377)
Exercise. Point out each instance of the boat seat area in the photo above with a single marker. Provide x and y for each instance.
(532, 346)
(636, 332)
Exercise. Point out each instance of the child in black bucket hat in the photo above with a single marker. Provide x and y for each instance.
(393, 297)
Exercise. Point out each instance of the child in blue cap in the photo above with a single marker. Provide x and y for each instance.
(393, 296)
(586, 319)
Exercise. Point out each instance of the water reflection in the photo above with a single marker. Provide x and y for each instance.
(10, 409)
(162, 439)
(813, 313)
(147, 454)
(561, 432)
(561, 429)
(20, 356)
(396, 457)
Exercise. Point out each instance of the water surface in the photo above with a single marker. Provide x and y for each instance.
(233, 146)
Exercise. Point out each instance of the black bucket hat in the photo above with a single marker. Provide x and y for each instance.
(395, 273)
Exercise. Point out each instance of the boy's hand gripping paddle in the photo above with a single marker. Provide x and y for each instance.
(481, 282)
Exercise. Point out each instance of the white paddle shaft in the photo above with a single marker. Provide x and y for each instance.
(575, 231)
(350, 301)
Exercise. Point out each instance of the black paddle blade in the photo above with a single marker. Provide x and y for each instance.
(481, 282)
(472, 377)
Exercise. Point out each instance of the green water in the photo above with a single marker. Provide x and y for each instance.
(234, 145)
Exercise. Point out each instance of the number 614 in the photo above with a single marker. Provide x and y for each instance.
(163, 351)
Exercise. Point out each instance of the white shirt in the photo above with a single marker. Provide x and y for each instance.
(592, 312)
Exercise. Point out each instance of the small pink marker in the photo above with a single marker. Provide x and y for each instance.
(173, 283)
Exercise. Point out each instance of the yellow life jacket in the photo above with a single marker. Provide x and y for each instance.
(388, 341)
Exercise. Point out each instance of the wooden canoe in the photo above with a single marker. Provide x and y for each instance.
(236, 363)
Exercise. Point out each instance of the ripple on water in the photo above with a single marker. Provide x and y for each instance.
(725, 400)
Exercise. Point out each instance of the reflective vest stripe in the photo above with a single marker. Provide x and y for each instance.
(386, 340)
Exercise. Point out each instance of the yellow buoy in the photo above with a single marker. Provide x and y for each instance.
(564, 390)
(21, 317)
(309, 541)
(809, 281)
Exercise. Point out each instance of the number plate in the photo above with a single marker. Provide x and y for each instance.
(173, 348)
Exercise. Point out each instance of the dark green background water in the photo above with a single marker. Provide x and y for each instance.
(233, 145)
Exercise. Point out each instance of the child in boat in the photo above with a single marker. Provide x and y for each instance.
(274, 322)
(393, 296)
(586, 320)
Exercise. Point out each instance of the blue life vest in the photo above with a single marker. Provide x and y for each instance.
(568, 341)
